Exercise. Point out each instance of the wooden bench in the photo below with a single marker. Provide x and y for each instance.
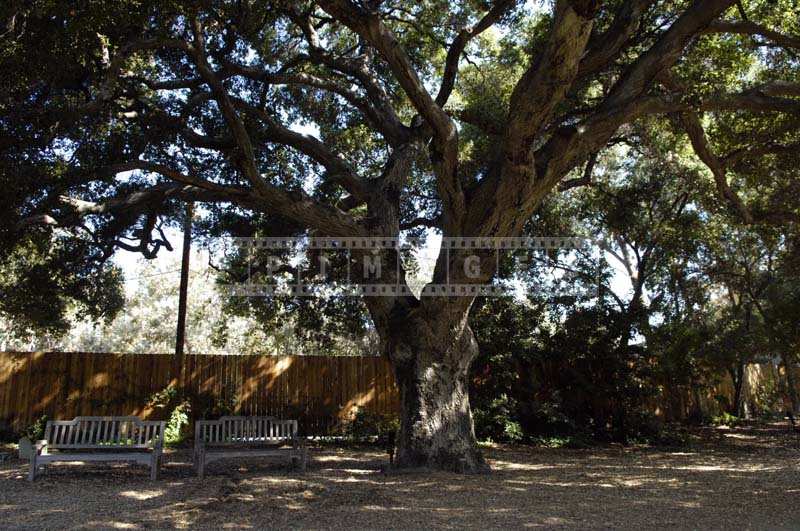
(242, 437)
(100, 439)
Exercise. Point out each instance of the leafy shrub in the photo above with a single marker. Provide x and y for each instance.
(35, 431)
(176, 429)
(547, 417)
(181, 411)
(725, 419)
(564, 441)
(164, 398)
(497, 422)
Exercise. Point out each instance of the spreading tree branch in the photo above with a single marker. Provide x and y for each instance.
(498, 9)
(444, 153)
(747, 27)
(605, 47)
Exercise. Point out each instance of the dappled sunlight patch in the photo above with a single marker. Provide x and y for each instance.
(629, 483)
(335, 458)
(378, 508)
(727, 468)
(688, 504)
(11, 473)
(348, 458)
(518, 489)
(594, 480)
(740, 436)
(112, 525)
(527, 488)
(357, 471)
(500, 510)
(549, 521)
(141, 495)
(348, 479)
(510, 465)
(267, 482)
(395, 508)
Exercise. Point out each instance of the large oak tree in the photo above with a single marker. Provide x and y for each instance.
(459, 116)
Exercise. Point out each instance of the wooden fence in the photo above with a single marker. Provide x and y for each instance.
(762, 390)
(319, 391)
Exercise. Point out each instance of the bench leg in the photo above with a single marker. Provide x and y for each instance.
(155, 463)
(299, 459)
(32, 471)
(201, 465)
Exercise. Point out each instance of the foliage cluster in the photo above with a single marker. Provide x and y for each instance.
(180, 411)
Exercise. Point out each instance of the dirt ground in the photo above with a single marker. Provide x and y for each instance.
(742, 478)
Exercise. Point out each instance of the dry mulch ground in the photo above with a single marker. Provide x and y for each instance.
(740, 478)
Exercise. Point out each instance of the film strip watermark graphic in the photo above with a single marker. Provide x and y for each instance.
(375, 266)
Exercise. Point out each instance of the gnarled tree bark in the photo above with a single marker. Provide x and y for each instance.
(431, 359)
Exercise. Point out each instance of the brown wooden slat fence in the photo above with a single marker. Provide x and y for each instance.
(320, 391)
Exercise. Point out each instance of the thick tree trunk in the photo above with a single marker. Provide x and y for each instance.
(432, 367)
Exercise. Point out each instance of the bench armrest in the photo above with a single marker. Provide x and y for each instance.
(40, 446)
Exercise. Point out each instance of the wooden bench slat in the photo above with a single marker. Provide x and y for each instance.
(87, 457)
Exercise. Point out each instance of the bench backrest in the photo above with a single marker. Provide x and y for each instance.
(104, 432)
(244, 430)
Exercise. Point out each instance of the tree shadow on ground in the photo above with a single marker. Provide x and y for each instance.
(725, 481)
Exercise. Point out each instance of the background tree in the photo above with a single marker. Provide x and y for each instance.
(758, 283)
(147, 324)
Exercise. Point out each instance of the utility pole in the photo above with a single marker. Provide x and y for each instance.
(180, 335)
